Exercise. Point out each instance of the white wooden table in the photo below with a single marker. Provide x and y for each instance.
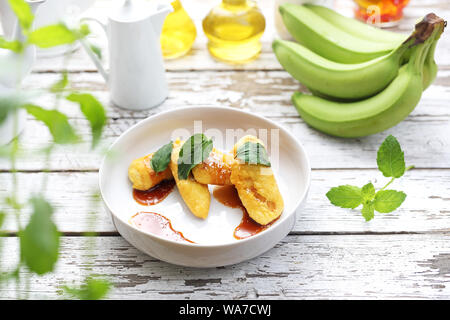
(331, 253)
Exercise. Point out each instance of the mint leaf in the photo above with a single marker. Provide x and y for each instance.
(15, 46)
(253, 153)
(60, 129)
(368, 192)
(387, 201)
(39, 241)
(368, 211)
(94, 112)
(193, 152)
(161, 158)
(345, 196)
(91, 289)
(52, 36)
(23, 13)
(390, 158)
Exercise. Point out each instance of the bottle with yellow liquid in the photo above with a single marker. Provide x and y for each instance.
(234, 29)
(178, 32)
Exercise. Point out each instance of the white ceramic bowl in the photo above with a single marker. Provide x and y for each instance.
(215, 244)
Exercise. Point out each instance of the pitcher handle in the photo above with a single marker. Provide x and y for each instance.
(89, 51)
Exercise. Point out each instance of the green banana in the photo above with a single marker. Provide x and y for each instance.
(338, 80)
(380, 112)
(430, 68)
(357, 28)
(327, 40)
(367, 32)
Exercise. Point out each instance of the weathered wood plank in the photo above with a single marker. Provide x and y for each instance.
(299, 267)
(426, 209)
(267, 93)
(426, 147)
(424, 132)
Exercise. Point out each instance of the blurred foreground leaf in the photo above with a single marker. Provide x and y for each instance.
(23, 13)
(39, 241)
(52, 36)
(56, 122)
(61, 84)
(2, 218)
(15, 46)
(94, 112)
(11, 101)
(92, 289)
(96, 50)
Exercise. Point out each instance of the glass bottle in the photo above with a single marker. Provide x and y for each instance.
(178, 32)
(384, 13)
(234, 29)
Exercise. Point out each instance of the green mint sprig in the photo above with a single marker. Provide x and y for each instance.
(193, 152)
(391, 162)
(253, 153)
(161, 158)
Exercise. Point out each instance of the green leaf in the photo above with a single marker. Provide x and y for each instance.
(39, 241)
(52, 36)
(9, 103)
(83, 31)
(61, 84)
(2, 218)
(92, 289)
(368, 211)
(161, 158)
(345, 196)
(193, 152)
(387, 201)
(96, 50)
(94, 112)
(23, 13)
(390, 158)
(253, 153)
(368, 192)
(15, 46)
(56, 122)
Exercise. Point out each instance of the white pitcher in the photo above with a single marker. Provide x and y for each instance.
(136, 77)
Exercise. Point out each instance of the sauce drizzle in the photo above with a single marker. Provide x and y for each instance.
(154, 195)
(228, 196)
(159, 225)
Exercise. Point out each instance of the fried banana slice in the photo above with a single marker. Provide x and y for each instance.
(257, 188)
(142, 175)
(195, 195)
(216, 169)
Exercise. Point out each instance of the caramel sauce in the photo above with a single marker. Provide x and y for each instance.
(154, 195)
(228, 196)
(157, 224)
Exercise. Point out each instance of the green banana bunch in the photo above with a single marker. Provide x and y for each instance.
(369, 33)
(329, 41)
(327, 78)
(384, 110)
